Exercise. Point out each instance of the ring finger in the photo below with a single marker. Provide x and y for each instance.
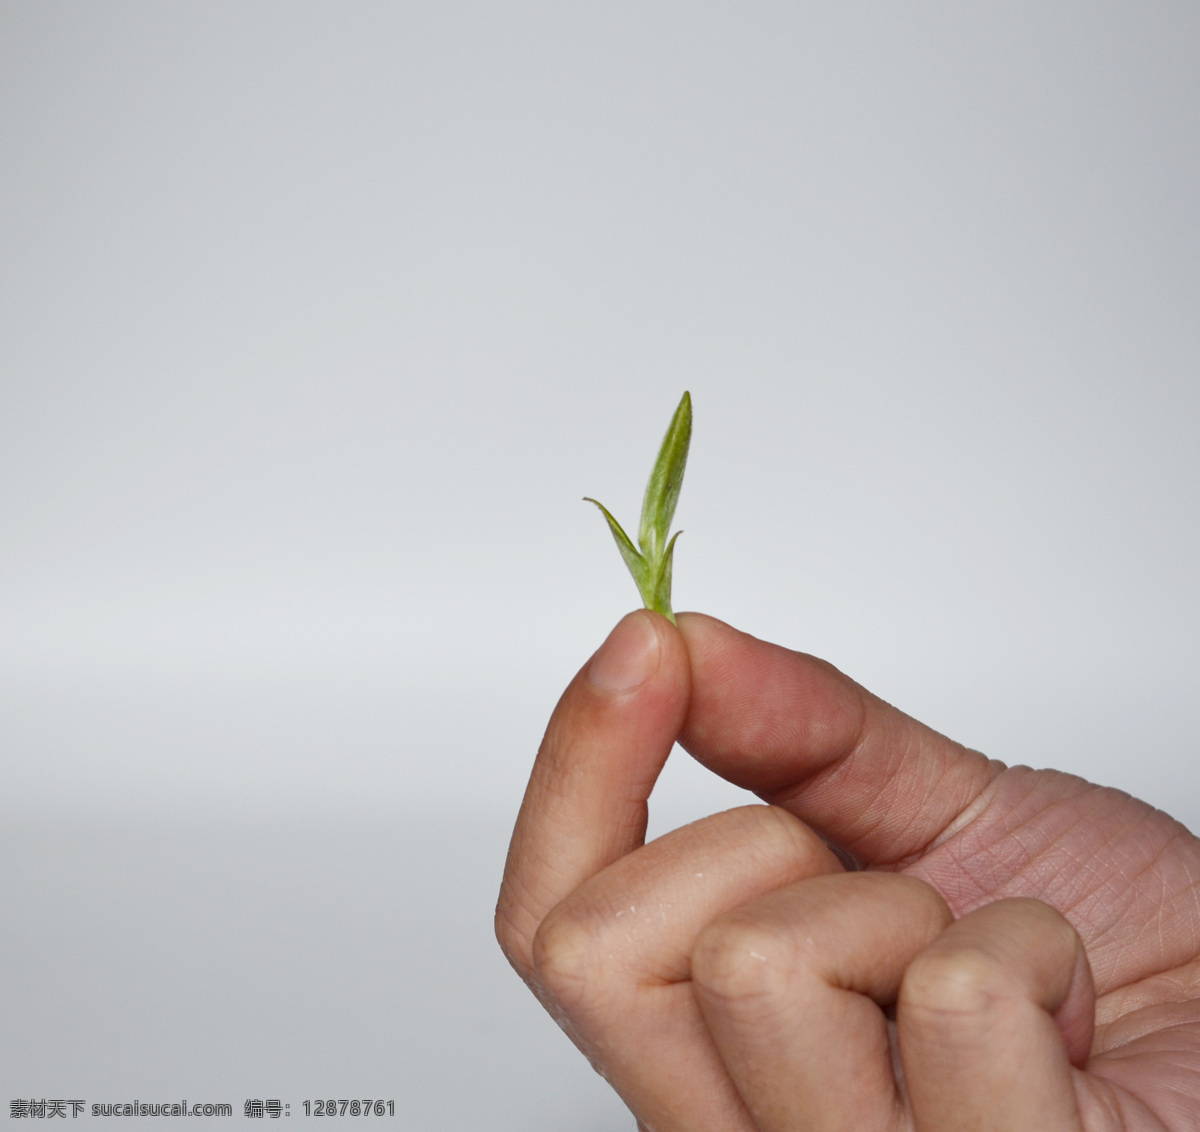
(792, 985)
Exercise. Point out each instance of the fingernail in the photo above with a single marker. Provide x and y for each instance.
(627, 659)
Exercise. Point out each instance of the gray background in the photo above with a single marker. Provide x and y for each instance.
(316, 322)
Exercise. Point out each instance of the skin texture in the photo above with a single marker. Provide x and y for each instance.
(1011, 950)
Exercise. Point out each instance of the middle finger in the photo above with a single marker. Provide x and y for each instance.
(615, 959)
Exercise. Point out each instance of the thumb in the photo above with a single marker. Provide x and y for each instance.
(803, 736)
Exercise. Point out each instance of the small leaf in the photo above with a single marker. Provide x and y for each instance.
(638, 566)
(662, 492)
(661, 593)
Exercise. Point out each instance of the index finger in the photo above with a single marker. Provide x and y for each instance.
(803, 736)
(586, 803)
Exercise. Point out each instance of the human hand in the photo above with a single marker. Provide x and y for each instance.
(1020, 950)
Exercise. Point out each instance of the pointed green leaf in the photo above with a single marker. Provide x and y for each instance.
(638, 566)
(661, 594)
(662, 492)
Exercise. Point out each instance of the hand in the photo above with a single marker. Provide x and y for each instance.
(1015, 949)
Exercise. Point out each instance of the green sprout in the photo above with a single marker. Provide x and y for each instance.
(651, 566)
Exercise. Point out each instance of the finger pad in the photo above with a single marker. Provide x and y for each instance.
(762, 716)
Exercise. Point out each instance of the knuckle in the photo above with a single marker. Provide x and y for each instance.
(1041, 921)
(570, 959)
(780, 833)
(772, 837)
(740, 958)
(954, 982)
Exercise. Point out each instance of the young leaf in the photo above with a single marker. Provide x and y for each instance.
(662, 583)
(666, 478)
(651, 568)
(638, 566)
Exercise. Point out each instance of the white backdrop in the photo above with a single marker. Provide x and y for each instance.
(316, 323)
